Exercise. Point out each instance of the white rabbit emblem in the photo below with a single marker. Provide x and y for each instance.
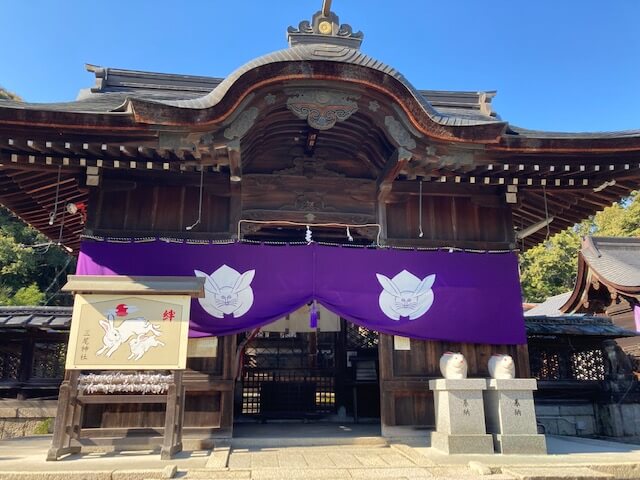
(227, 292)
(405, 295)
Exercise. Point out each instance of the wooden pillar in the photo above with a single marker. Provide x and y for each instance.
(63, 425)
(228, 373)
(174, 416)
(522, 361)
(387, 400)
(26, 364)
(392, 168)
(235, 185)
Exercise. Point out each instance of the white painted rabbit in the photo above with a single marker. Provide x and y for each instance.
(141, 345)
(116, 336)
(227, 292)
(405, 295)
(501, 366)
(453, 365)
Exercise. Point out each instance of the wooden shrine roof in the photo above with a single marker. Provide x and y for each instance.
(166, 123)
(550, 307)
(116, 89)
(611, 264)
(615, 260)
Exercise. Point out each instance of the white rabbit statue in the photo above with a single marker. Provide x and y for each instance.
(501, 366)
(453, 365)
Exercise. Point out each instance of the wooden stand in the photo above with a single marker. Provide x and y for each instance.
(68, 436)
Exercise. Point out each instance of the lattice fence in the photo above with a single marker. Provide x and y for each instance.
(358, 337)
(560, 362)
(48, 360)
(289, 374)
(10, 361)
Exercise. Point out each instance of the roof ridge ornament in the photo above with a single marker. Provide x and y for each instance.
(324, 27)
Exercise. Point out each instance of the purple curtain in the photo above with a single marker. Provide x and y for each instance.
(456, 297)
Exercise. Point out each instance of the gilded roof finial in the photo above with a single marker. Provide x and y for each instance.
(324, 27)
(326, 7)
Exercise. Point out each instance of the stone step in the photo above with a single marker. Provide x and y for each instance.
(277, 442)
(557, 472)
(201, 473)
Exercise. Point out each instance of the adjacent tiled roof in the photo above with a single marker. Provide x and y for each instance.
(44, 318)
(615, 260)
(514, 130)
(550, 307)
(575, 325)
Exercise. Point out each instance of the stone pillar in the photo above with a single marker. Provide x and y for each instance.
(460, 424)
(511, 416)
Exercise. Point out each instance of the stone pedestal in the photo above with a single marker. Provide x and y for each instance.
(460, 424)
(511, 416)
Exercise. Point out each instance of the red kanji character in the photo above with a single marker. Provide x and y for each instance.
(168, 315)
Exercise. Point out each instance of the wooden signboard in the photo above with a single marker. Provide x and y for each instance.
(129, 332)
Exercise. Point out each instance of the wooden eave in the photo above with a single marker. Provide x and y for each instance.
(532, 143)
(556, 175)
(168, 115)
(584, 280)
(84, 122)
(581, 288)
(121, 284)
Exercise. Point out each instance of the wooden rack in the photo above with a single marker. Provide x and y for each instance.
(68, 435)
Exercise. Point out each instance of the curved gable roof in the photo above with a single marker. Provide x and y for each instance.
(327, 53)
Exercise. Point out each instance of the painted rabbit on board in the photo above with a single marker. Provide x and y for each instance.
(116, 336)
(141, 345)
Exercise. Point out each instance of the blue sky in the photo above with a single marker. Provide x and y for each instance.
(566, 65)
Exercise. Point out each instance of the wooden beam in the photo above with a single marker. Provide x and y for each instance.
(392, 168)
(235, 161)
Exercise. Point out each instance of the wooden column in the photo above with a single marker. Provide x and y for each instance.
(62, 431)
(392, 168)
(26, 364)
(387, 400)
(228, 373)
(235, 186)
(174, 417)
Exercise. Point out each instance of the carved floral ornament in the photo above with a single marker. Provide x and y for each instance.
(323, 108)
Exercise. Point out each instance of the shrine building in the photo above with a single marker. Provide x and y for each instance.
(349, 226)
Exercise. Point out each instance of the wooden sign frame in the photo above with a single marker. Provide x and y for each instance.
(129, 332)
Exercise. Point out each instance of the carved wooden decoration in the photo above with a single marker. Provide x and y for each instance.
(399, 133)
(309, 167)
(242, 124)
(322, 108)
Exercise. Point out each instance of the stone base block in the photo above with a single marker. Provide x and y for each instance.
(520, 444)
(454, 444)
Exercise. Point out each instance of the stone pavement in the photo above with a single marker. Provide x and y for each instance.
(294, 457)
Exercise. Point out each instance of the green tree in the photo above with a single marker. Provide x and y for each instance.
(32, 269)
(550, 268)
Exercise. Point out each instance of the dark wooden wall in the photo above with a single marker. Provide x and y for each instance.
(405, 374)
(452, 215)
(463, 216)
(148, 205)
